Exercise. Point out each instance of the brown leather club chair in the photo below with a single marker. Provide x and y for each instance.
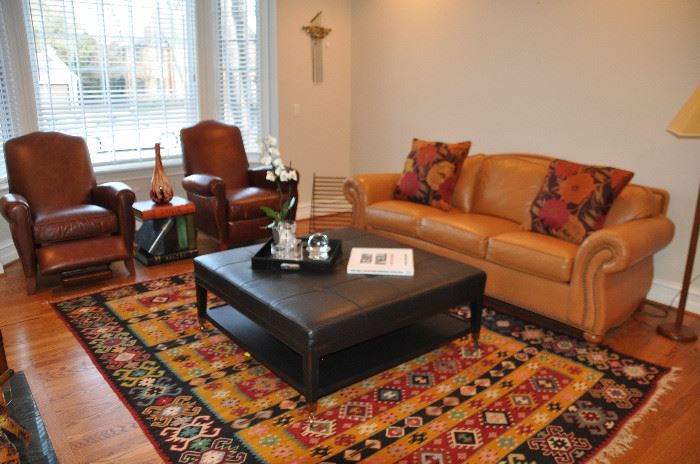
(60, 219)
(227, 192)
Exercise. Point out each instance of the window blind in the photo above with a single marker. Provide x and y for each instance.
(239, 68)
(120, 73)
(8, 110)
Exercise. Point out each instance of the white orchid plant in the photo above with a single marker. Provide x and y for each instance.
(279, 174)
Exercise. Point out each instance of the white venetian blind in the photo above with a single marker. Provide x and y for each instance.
(8, 110)
(120, 73)
(239, 76)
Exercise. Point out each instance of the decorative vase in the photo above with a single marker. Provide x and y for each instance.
(284, 241)
(161, 190)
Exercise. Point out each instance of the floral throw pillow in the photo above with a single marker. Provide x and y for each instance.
(575, 199)
(430, 172)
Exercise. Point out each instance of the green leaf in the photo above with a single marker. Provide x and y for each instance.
(271, 213)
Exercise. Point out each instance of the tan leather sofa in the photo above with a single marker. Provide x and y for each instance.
(593, 286)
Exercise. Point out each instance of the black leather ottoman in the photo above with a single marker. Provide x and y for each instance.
(321, 332)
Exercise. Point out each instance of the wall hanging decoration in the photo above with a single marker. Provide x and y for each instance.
(317, 34)
(161, 189)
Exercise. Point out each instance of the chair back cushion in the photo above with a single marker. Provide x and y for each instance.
(213, 148)
(51, 170)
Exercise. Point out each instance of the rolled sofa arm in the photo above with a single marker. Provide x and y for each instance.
(615, 252)
(364, 189)
(16, 210)
(626, 244)
(205, 185)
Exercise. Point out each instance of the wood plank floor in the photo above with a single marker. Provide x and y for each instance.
(89, 424)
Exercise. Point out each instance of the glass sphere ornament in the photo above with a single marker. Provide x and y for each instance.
(318, 246)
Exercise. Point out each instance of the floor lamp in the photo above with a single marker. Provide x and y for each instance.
(686, 124)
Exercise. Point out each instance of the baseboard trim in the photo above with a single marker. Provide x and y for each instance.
(8, 253)
(666, 292)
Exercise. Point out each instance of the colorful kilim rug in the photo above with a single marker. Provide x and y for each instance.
(530, 395)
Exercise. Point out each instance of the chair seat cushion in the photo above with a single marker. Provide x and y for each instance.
(245, 203)
(75, 222)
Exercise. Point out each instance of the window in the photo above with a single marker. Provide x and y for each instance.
(123, 73)
(239, 76)
(8, 112)
(120, 74)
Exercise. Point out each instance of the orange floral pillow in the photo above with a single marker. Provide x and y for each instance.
(430, 172)
(574, 199)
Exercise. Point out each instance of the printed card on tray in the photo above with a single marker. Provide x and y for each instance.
(381, 261)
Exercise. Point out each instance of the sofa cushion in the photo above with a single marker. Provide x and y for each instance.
(430, 173)
(464, 232)
(466, 181)
(533, 253)
(506, 185)
(74, 223)
(401, 217)
(574, 199)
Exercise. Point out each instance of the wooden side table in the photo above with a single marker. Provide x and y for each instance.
(167, 232)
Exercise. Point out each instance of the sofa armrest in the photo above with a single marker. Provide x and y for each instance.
(363, 190)
(118, 198)
(205, 185)
(625, 244)
(16, 210)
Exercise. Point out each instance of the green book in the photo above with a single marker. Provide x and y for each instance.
(191, 231)
(182, 239)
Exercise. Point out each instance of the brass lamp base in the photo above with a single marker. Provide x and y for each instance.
(682, 334)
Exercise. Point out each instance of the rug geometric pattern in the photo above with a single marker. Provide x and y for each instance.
(529, 395)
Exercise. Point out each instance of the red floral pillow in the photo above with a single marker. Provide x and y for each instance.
(575, 199)
(430, 172)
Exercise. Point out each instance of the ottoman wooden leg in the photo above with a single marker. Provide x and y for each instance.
(311, 384)
(201, 306)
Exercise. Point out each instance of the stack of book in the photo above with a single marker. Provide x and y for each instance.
(164, 240)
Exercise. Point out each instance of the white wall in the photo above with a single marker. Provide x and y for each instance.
(317, 139)
(593, 81)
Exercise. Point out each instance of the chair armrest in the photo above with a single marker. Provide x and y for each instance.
(624, 245)
(14, 208)
(364, 189)
(115, 196)
(205, 185)
(17, 211)
(118, 198)
(256, 177)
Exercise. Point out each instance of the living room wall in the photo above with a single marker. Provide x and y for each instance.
(589, 81)
(314, 120)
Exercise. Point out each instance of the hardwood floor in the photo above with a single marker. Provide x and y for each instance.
(89, 424)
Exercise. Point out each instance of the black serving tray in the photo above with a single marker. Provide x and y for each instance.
(263, 259)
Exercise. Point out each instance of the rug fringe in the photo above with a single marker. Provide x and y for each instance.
(622, 442)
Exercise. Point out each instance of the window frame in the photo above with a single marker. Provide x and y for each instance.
(206, 50)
